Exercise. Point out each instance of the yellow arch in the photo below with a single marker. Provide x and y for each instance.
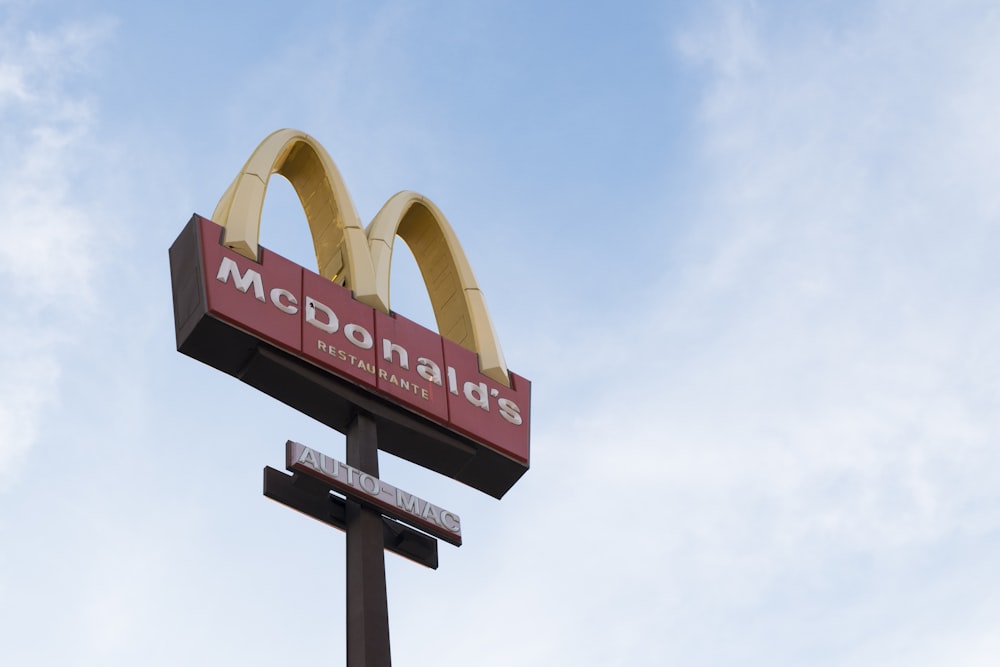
(362, 260)
(338, 237)
(459, 305)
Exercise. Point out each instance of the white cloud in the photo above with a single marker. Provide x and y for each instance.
(837, 316)
(47, 256)
(11, 84)
(30, 376)
(810, 413)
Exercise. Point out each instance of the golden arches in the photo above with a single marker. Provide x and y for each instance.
(361, 260)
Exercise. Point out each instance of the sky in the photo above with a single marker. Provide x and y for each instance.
(745, 252)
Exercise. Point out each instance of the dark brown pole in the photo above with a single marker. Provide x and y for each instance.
(367, 604)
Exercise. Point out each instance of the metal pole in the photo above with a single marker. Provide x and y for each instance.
(367, 604)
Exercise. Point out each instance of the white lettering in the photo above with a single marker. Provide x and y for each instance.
(510, 411)
(374, 489)
(308, 457)
(388, 347)
(291, 307)
(406, 502)
(358, 335)
(477, 394)
(229, 269)
(429, 370)
(430, 513)
(450, 521)
(331, 324)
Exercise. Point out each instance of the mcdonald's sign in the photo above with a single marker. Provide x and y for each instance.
(327, 342)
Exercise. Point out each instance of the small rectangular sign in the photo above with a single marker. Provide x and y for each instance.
(369, 489)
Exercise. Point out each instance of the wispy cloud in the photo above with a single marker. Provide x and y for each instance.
(46, 230)
(818, 388)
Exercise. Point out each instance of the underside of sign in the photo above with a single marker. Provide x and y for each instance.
(303, 340)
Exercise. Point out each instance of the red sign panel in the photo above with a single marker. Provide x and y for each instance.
(338, 333)
(411, 365)
(236, 290)
(478, 404)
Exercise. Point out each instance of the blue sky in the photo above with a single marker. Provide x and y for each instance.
(745, 251)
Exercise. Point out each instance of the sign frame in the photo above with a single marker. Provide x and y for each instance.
(222, 341)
